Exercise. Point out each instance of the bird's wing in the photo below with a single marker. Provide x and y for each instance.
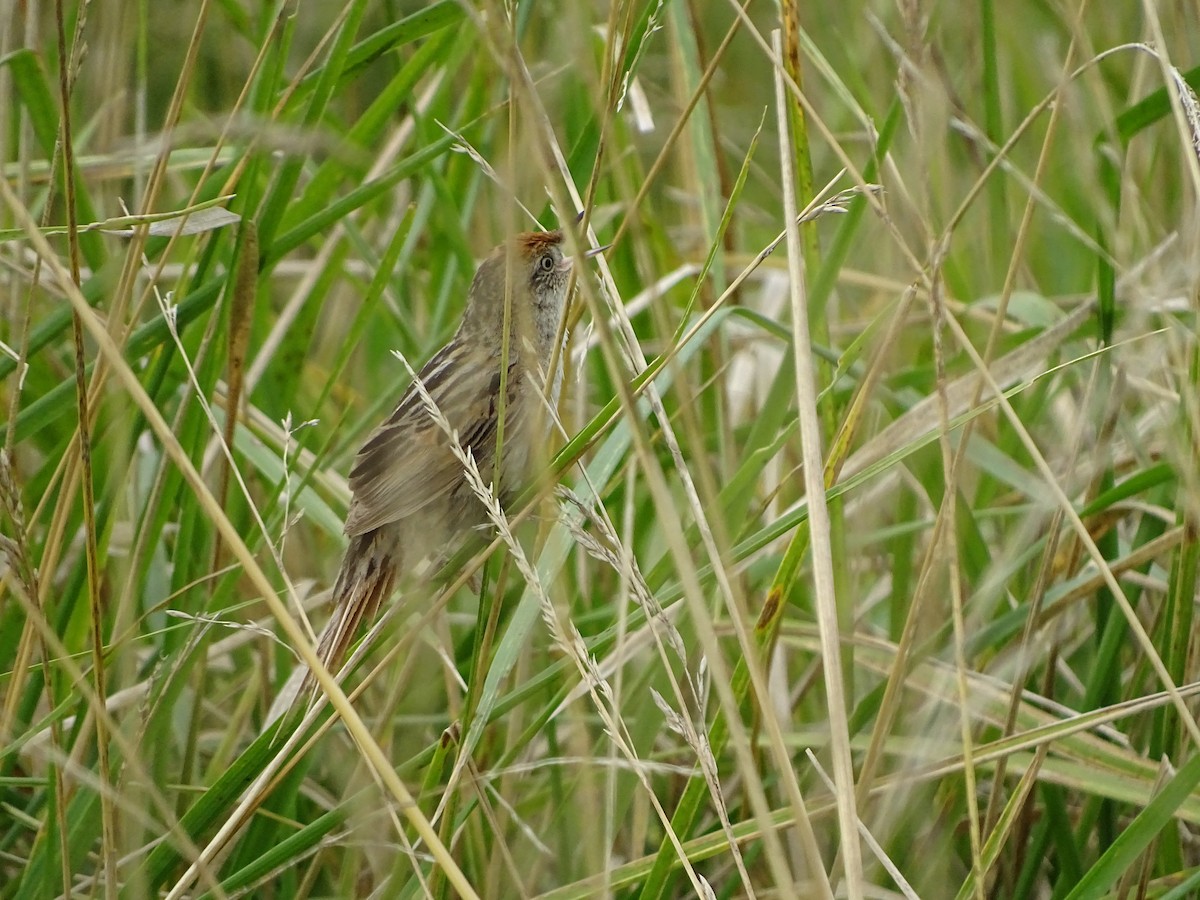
(407, 462)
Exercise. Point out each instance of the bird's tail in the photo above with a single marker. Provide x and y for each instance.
(366, 579)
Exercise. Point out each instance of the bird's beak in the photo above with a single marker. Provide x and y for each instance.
(594, 251)
(569, 261)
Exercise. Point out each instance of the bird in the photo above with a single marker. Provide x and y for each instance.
(410, 498)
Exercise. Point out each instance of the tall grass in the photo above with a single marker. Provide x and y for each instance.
(969, 672)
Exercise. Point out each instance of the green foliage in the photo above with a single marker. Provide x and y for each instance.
(626, 693)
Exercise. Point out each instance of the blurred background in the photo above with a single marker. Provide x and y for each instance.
(251, 208)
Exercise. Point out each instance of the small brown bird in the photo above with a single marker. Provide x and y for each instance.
(411, 500)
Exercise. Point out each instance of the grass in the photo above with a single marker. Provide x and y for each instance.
(864, 568)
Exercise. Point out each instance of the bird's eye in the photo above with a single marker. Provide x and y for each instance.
(546, 263)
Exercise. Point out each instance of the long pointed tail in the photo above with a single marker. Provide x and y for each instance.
(366, 579)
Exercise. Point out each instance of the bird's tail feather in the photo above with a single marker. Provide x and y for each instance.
(366, 579)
